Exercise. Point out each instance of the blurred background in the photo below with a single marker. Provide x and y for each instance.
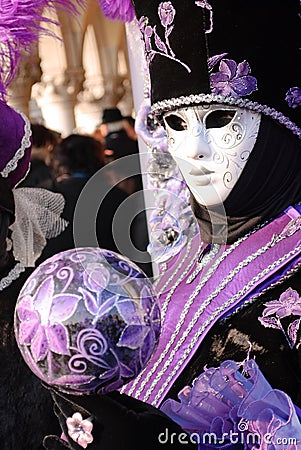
(68, 83)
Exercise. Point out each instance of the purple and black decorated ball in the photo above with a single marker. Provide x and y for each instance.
(87, 320)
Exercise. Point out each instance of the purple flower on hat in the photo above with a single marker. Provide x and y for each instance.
(233, 79)
(149, 33)
(41, 316)
(80, 430)
(206, 5)
(166, 13)
(293, 97)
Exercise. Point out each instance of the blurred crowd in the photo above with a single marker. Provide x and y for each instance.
(65, 165)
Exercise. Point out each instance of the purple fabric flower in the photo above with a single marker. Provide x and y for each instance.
(293, 97)
(118, 9)
(80, 430)
(289, 303)
(149, 33)
(233, 79)
(214, 60)
(228, 402)
(41, 316)
(166, 13)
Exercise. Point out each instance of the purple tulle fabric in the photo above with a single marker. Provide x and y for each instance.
(21, 22)
(118, 9)
(228, 406)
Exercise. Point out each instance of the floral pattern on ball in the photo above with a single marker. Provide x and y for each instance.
(87, 321)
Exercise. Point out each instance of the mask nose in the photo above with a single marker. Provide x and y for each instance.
(197, 143)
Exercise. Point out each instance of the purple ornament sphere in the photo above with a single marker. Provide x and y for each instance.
(87, 321)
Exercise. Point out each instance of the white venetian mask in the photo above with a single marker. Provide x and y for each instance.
(211, 145)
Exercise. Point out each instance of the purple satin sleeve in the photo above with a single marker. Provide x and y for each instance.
(235, 404)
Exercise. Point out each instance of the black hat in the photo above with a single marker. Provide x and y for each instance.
(111, 115)
(224, 51)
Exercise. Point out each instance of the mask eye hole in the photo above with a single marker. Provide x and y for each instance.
(219, 118)
(175, 122)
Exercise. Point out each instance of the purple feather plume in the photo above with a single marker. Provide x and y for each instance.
(118, 9)
(21, 24)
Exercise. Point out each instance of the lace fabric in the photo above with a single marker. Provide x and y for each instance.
(38, 218)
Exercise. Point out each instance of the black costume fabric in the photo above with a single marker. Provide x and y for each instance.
(7, 199)
(269, 183)
(26, 412)
(120, 423)
(200, 32)
(170, 79)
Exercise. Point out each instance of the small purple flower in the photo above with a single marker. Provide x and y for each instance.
(293, 97)
(213, 60)
(288, 304)
(80, 430)
(41, 319)
(149, 34)
(166, 13)
(233, 79)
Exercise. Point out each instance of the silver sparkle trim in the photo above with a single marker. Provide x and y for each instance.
(210, 319)
(149, 372)
(170, 104)
(12, 276)
(25, 143)
(206, 260)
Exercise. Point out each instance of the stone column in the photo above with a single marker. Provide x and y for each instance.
(110, 37)
(57, 99)
(63, 75)
(29, 72)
